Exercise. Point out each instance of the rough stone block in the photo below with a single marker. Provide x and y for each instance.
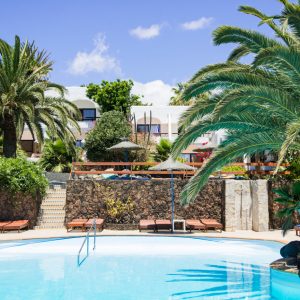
(260, 205)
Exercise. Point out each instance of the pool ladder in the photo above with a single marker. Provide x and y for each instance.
(87, 243)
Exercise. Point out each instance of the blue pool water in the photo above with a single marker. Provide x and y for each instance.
(121, 268)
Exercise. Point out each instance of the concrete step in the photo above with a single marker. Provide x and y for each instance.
(52, 213)
(52, 209)
(50, 226)
(55, 214)
(56, 223)
(61, 200)
(56, 195)
(58, 192)
(55, 206)
(54, 202)
(52, 218)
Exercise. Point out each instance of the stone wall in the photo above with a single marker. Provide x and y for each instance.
(151, 199)
(237, 204)
(19, 206)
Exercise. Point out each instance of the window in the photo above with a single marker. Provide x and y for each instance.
(79, 143)
(88, 114)
(155, 128)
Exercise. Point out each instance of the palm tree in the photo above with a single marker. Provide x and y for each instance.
(177, 99)
(257, 103)
(57, 156)
(23, 82)
(289, 199)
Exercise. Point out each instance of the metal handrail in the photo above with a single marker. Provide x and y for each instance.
(87, 242)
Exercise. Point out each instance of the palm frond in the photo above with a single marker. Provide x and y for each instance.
(247, 144)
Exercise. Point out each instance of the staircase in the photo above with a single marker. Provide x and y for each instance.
(52, 212)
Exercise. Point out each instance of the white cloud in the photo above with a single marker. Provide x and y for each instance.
(98, 60)
(156, 92)
(197, 24)
(144, 33)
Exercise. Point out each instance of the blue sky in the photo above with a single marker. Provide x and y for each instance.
(167, 40)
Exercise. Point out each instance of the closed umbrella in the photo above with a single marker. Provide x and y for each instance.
(171, 165)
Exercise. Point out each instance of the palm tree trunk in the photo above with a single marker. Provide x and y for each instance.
(9, 136)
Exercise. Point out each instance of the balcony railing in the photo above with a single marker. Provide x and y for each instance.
(141, 168)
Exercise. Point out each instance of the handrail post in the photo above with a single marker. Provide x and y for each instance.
(87, 241)
(88, 244)
(95, 229)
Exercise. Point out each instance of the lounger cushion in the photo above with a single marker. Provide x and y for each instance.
(211, 223)
(90, 222)
(77, 222)
(14, 225)
(163, 224)
(147, 224)
(4, 223)
(194, 224)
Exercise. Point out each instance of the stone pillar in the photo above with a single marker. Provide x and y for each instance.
(230, 217)
(243, 204)
(238, 205)
(259, 189)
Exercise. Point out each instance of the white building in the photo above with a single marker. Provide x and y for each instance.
(89, 111)
(161, 121)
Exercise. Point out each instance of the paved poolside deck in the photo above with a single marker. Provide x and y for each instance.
(275, 235)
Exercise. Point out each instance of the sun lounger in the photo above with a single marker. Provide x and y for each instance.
(212, 224)
(99, 224)
(297, 229)
(3, 223)
(163, 225)
(192, 224)
(16, 225)
(76, 223)
(147, 225)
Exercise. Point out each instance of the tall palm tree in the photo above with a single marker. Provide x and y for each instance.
(177, 99)
(257, 103)
(23, 82)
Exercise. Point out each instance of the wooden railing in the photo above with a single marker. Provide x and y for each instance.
(131, 168)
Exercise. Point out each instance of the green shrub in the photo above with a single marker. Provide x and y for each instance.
(19, 175)
(163, 150)
(233, 169)
(289, 199)
(109, 130)
(57, 156)
(294, 168)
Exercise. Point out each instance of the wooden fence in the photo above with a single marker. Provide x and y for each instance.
(140, 168)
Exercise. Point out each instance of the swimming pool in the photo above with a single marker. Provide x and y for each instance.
(155, 268)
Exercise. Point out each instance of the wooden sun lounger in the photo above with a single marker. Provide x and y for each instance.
(3, 223)
(99, 224)
(212, 224)
(297, 229)
(16, 225)
(163, 225)
(147, 225)
(192, 224)
(75, 223)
